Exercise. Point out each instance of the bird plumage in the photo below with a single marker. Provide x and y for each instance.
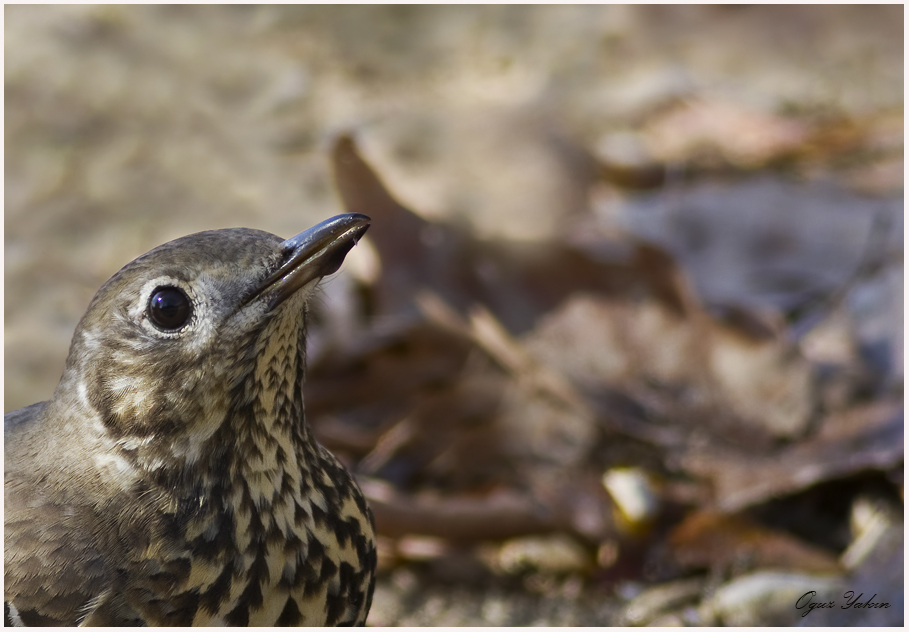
(171, 479)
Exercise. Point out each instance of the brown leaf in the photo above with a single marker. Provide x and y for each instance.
(743, 389)
(863, 438)
(719, 542)
(517, 281)
(742, 136)
(501, 515)
(414, 252)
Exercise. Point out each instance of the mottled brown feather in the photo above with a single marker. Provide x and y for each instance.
(171, 479)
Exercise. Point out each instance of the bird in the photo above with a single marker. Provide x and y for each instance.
(171, 478)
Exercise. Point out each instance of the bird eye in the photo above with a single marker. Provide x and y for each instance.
(169, 308)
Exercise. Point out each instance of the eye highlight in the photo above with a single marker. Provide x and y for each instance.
(169, 308)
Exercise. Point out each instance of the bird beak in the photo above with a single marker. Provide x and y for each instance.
(311, 255)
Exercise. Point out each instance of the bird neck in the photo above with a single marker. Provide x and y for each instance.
(274, 448)
(262, 457)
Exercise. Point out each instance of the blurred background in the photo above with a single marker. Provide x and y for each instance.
(624, 344)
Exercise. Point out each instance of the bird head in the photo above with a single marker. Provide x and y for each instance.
(183, 337)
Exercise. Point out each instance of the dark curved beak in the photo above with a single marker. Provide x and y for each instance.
(313, 254)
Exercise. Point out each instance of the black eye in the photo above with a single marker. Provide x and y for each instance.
(169, 308)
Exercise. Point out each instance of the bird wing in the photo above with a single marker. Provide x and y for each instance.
(23, 416)
(54, 573)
